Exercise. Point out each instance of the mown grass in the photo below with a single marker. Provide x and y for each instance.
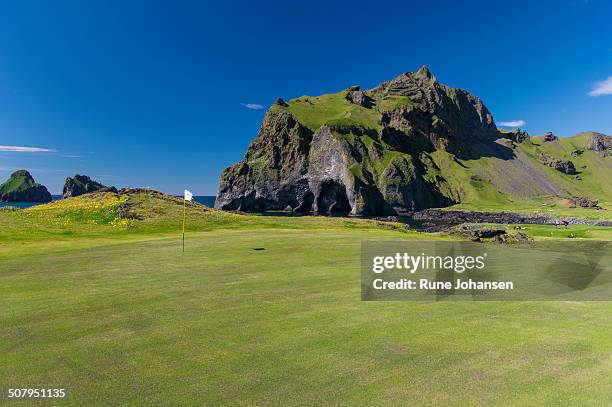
(266, 311)
(139, 323)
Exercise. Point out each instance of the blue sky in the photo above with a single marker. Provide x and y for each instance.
(165, 94)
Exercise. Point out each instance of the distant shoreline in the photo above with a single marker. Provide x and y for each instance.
(207, 200)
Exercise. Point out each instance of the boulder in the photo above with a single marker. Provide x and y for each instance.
(21, 187)
(566, 167)
(477, 233)
(82, 184)
(576, 153)
(358, 97)
(549, 136)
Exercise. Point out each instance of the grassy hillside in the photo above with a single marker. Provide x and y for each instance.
(144, 212)
(524, 183)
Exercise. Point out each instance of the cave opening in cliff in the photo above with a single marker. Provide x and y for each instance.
(332, 198)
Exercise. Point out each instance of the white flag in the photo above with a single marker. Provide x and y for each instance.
(188, 196)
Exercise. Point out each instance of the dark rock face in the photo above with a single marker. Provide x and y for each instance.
(349, 167)
(549, 136)
(273, 174)
(445, 117)
(21, 187)
(600, 143)
(566, 167)
(82, 184)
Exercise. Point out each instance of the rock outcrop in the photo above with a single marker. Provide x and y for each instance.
(517, 135)
(82, 184)
(600, 143)
(21, 187)
(357, 96)
(566, 167)
(280, 102)
(583, 202)
(374, 160)
(549, 136)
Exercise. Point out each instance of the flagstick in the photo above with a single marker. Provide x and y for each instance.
(184, 224)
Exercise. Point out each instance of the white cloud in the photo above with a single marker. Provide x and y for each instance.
(513, 123)
(254, 106)
(21, 149)
(602, 88)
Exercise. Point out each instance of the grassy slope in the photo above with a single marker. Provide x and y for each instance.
(315, 111)
(596, 175)
(116, 312)
(94, 219)
(334, 108)
(595, 182)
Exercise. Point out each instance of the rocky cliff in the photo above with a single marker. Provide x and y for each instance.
(21, 187)
(82, 184)
(359, 152)
(408, 144)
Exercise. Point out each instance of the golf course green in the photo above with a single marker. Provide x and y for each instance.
(265, 310)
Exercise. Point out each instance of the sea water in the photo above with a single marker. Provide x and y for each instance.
(204, 200)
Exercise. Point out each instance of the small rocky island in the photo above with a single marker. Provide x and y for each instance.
(82, 184)
(21, 187)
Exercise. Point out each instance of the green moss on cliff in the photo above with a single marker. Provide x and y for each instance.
(314, 112)
(394, 102)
